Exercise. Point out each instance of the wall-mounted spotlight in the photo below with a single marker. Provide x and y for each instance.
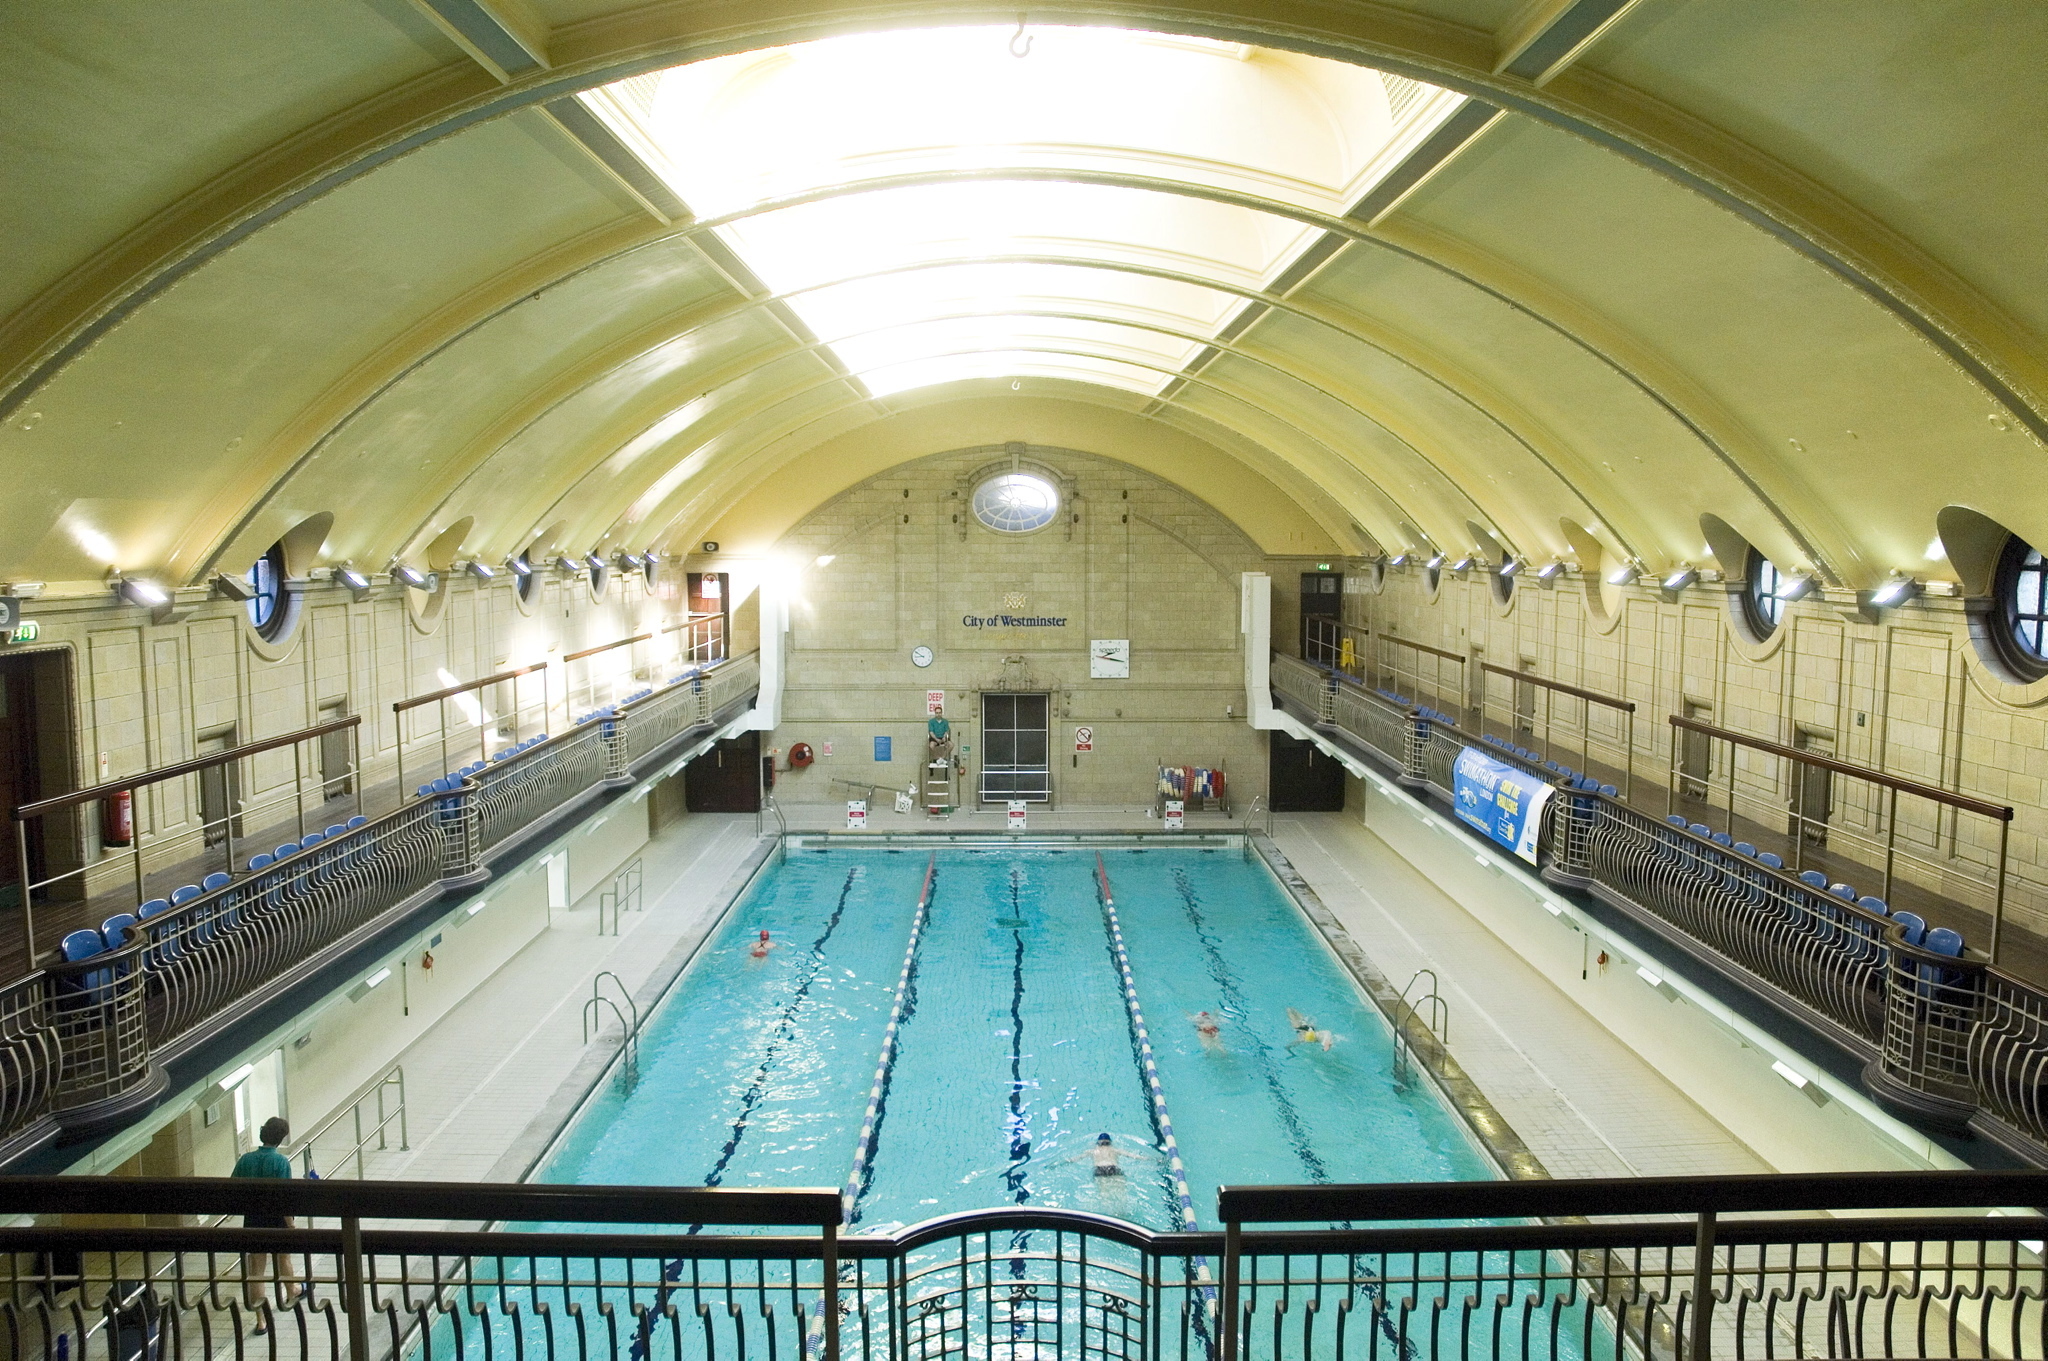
(1510, 567)
(1398, 560)
(233, 588)
(1624, 575)
(1437, 561)
(1549, 572)
(567, 566)
(351, 578)
(1895, 592)
(652, 557)
(594, 562)
(630, 559)
(409, 574)
(1798, 588)
(1682, 578)
(1462, 565)
(519, 567)
(142, 591)
(482, 571)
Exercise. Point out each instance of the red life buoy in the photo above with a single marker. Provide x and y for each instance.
(800, 756)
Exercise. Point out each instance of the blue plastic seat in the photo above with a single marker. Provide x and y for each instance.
(217, 879)
(1843, 891)
(114, 930)
(82, 944)
(152, 908)
(1700, 829)
(1770, 860)
(1744, 848)
(335, 829)
(1813, 879)
(1877, 905)
(185, 893)
(288, 848)
(1675, 819)
(1723, 839)
(1610, 791)
(357, 821)
(310, 840)
(1943, 941)
(262, 860)
(1912, 925)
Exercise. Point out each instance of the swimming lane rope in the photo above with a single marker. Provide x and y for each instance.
(864, 1148)
(1160, 1117)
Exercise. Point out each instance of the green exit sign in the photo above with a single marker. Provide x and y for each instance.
(1322, 567)
(27, 631)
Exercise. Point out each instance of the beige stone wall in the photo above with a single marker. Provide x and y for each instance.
(1129, 557)
(148, 694)
(1904, 693)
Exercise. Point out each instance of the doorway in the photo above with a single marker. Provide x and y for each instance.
(1016, 747)
(1302, 779)
(1695, 753)
(336, 777)
(727, 778)
(1813, 794)
(258, 1096)
(21, 767)
(219, 787)
(1322, 597)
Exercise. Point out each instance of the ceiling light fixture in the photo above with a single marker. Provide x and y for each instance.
(409, 574)
(1510, 567)
(1398, 560)
(566, 565)
(482, 571)
(519, 567)
(595, 562)
(1624, 575)
(351, 578)
(1798, 588)
(1897, 591)
(234, 588)
(142, 591)
(1437, 561)
(1550, 571)
(1462, 565)
(1682, 578)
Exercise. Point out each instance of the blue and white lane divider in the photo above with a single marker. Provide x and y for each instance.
(864, 1147)
(1159, 1112)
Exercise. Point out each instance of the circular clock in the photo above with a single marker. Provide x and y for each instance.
(920, 656)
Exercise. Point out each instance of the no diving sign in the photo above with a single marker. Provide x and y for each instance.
(1084, 739)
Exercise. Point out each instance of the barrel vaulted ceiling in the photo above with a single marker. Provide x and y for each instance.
(596, 275)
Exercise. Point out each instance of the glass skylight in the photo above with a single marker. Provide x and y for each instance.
(936, 208)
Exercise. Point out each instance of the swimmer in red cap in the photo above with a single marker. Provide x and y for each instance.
(761, 947)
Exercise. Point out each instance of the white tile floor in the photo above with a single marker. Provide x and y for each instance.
(490, 1082)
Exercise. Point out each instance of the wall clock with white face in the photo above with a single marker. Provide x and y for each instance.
(920, 656)
(1109, 659)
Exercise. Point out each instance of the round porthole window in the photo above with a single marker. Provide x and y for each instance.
(1016, 503)
(273, 605)
(2021, 589)
(1762, 607)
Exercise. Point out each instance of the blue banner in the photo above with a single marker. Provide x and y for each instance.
(1503, 801)
(882, 745)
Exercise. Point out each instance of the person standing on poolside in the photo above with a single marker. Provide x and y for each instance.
(267, 1161)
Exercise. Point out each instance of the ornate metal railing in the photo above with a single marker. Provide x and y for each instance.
(1513, 1271)
(1308, 686)
(1952, 1041)
(83, 1040)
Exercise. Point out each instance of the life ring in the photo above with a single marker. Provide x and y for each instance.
(800, 756)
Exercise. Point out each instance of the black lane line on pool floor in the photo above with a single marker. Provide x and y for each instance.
(1297, 1135)
(784, 1029)
(1020, 1130)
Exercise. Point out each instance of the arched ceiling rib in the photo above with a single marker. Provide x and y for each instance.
(1641, 294)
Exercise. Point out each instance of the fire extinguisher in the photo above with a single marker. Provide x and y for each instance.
(117, 818)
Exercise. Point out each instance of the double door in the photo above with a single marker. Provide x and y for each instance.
(1016, 747)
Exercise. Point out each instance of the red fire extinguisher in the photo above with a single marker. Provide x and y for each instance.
(117, 818)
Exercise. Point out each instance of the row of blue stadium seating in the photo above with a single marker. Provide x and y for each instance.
(1572, 779)
(447, 783)
(1941, 940)
(113, 932)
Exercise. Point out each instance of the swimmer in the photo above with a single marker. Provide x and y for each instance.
(1305, 1032)
(1209, 1027)
(1105, 1156)
(760, 948)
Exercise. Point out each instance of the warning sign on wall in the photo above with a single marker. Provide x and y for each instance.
(1084, 738)
(1176, 815)
(856, 815)
(1016, 815)
(934, 700)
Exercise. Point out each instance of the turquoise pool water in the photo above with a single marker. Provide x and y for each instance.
(1015, 1049)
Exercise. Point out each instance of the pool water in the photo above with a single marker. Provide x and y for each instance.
(1014, 1049)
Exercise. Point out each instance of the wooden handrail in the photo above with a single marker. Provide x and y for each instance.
(1627, 706)
(400, 706)
(605, 647)
(1423, 647)
(1877, 777)
(198, 763)
(690, 619)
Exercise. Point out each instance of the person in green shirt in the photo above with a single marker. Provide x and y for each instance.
(267, 1161)
(939, 736)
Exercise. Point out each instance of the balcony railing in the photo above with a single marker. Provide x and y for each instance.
(1666, 1268)
(83, 1041)
(1951, 1041)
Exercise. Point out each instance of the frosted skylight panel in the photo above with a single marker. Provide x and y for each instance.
(842, 162)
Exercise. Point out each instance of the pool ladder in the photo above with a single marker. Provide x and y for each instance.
(1429, 1010)
(629, 1032)
(1258, 805)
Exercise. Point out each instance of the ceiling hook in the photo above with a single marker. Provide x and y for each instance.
(1017, 37)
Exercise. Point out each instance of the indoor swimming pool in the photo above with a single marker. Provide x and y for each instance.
(1015, 1047)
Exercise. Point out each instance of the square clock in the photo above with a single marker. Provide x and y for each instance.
(1109, 659)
